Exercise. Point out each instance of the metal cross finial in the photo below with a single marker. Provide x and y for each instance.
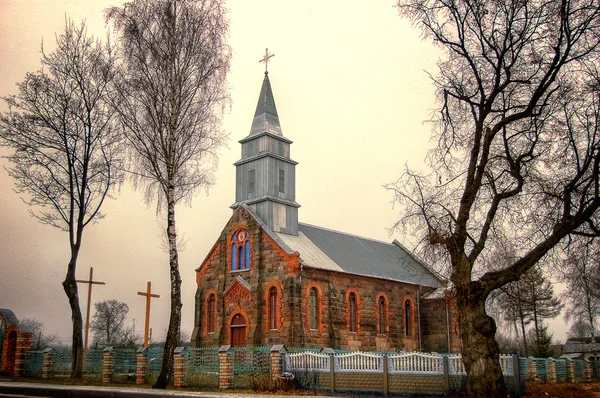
(265, 59)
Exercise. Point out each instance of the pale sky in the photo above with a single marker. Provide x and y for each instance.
(351, 91)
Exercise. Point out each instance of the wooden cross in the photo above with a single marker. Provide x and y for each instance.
(148, 297)
(265, 59)
(90, 282)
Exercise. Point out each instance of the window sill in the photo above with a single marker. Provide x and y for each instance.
(239, 270)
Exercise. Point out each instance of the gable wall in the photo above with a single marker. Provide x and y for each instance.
(270, 266)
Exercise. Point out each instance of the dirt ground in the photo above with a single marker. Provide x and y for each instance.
(563, 390)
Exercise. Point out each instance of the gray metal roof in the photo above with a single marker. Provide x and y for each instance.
(9, 317)
(337, 251)
(265, 117)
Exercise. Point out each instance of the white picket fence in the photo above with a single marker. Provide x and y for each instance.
(363, 362)
(309, 361)
(402, 363)
(416, 362)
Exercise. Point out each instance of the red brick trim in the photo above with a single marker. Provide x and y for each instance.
(309, 287)
(353, 290)
(236, 228)
(412, 318)
(238, 310)
(293, 260)
(206, 263)
(207, 310)
(278, 305)
(386, 307)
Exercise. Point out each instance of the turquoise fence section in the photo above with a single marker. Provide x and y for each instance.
(124, 364)
(154, 358)
(33, 363)
(561, 370)
(202, 367)
(251, 367)
(62, 361)
(94, 359)
(579, 365)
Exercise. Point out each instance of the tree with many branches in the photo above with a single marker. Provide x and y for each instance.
(517, 150)
(171, 94)
(582, 294)
(65, 150)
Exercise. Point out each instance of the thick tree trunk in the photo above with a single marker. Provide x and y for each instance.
(70, 287)
(480, 352)
(173, 333)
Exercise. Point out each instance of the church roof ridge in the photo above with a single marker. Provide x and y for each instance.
(265, 116)
(347, 234)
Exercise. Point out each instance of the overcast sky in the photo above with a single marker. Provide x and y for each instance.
(351, 89)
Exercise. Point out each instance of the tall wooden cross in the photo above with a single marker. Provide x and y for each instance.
(90, 282)
(266, 58)
(148, 297)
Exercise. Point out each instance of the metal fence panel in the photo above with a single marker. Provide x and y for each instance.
(33, 363)
(202, 367)
(251, 367)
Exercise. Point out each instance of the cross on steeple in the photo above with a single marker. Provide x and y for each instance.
(148, 297)
(90, 282)
(266, 58)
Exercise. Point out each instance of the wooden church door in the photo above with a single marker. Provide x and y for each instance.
(238, 331)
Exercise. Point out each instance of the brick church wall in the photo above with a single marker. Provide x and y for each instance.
(439, 321)
(271, 267)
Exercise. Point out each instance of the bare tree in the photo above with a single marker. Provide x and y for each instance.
(41, 338)
(581, 294)
(108, 324)
(517, 149)
(172, 94)
(64, 159)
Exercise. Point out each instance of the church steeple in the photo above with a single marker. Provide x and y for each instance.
(265, 117)
(266, 175)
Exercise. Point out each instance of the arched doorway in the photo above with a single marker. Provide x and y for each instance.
(238, 331)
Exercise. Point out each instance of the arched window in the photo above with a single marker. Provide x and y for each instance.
(240, 250)
(352, 304)
(313, 308)
(212, 307)
(408, 315)
(273, 308)
(382, 314)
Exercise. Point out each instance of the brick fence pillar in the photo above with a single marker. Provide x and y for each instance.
(551, 371)
(531, 370)
(179, 368)
(277, 356)
(587, 372)
(107, 365)
(24, 341)
(48, 363)
(225, 367)
(570, 371)
(141, 366)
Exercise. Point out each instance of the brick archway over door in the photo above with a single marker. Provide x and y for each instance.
(238, 331)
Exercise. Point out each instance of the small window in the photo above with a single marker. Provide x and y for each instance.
(352, 304)
(240, 250)
(382, 313)
(212, 306)
(281, 180)
(273, 308)
(408, 318)
(251, 181)
(313, 308)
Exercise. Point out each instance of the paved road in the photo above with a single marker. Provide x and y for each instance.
(53, 390)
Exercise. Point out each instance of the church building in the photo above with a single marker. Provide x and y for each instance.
(270, 279)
